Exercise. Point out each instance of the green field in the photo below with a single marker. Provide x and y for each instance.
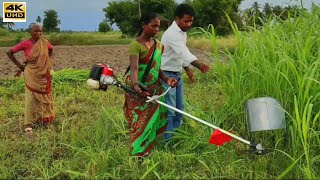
(89, 138)
(8, 39)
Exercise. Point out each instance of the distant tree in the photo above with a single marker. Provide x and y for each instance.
(214, 12)
(254, 17)
(258, 15)
(1, 22)
(125, 13)
(7, 25)
(38, 19)
(51, 21)
(267, 10)
(284, 12)
(104, 26)
(277, 10)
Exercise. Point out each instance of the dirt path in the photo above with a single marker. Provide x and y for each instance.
(83, 57)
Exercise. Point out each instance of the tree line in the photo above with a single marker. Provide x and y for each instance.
(257, 15)
(125, 15)
(50, 22)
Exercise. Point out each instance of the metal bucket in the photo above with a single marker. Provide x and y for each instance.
(265, 114)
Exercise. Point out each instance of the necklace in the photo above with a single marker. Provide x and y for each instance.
(147, 44)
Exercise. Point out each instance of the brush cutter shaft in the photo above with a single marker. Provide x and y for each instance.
(200, 120)
(108, 78)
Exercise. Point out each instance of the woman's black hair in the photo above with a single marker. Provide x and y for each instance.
(184, 9)
(145, 19)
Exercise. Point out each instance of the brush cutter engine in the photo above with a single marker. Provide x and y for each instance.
(101, 75)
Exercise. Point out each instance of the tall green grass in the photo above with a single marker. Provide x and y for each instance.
(282, 60)
(206, 40)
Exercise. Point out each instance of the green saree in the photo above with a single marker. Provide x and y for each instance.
(145, 120)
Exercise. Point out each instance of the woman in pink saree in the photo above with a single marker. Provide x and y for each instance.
(38, 90)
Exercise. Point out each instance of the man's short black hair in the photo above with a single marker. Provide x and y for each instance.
(184, 9)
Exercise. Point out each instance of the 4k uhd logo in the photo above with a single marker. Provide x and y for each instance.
(14, 11)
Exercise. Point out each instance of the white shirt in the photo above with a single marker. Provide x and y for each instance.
(176, 53)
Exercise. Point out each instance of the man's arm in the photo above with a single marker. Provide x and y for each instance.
(183, 51)
(189, 73)
(202, 67)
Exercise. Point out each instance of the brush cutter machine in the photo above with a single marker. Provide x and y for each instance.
(262, 113)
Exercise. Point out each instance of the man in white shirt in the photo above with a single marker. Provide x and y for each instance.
(176, 56)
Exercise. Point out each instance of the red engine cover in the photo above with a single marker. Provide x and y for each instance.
(107, 71)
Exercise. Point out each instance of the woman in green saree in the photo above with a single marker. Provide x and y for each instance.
(145, 120)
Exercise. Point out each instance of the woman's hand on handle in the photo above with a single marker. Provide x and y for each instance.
(172, 82)
(139, 91)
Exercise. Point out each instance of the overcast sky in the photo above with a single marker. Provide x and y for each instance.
(85, 15)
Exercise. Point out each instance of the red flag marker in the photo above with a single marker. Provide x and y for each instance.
(218, 138)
